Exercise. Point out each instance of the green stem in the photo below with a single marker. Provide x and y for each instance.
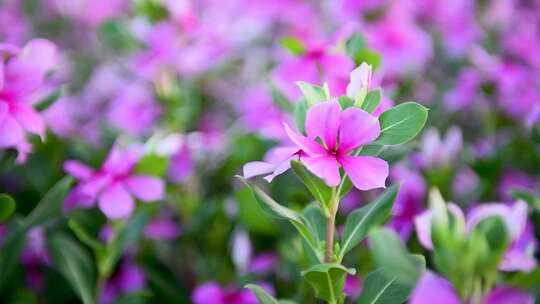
(330, 228)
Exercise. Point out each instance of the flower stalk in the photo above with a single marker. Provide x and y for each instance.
(331, 227)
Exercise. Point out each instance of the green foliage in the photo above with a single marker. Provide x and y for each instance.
(390, 254)
(152, 164)
(328, 280)
(372, 100)
(262, 296)
(50, 99)
(7, 207)
(300, 114)
(317, 187)
(75, 265)
(360, 221)
(312, 93)
(278, 211)
(401, 123)
(293, 45)
(380, 287)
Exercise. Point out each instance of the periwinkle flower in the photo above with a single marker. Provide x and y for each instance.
(114, 184)
(432, 288)
(340, 133)
(22, 79)
(127, 278)
(213, 293)
(519, 256)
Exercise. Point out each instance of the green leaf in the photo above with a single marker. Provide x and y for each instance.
(372, 100)
(360, 221)
(527, 196)
(74, 264)
(278, 211)
(48, 208)
(84, 236)
(354, 47)
(317, 187)
(300, 115)
(381, 288)
(389, 253)
(280, 100)
(136, 297)
(9, 254)
(401, 123)
(153, 10)
(370, 57)
(328, 280)
(316, 221)
(494, 230)
(293, 45)
(345, 102)
(115, 35)
(122, 239)
(7, 207)
(152, 164)
(252, 215)
(314, 94)
(50, 99)
(50, 205)
(262, 296)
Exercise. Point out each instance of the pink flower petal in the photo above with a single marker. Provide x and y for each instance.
(4, 111)
(434, 289)
(40, 54)
(29, 118)
(146, 188)
(257, 168)
(323, 120)
(365, 172)
(325, 167)
(360, 81)
(312, 148)
(77, 169)
(11, 133)
(507, 295)
(422, 223)
(115, 202)
(358, 127)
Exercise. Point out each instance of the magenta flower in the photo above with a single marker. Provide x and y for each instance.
(316, 66)
(276, 161)
(212, 293)
(114, 184)
(520, 254)
(435, 289)
(340, 132)
(22, 79)
(127, 279)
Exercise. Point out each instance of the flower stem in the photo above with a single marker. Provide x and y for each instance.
(330, 228)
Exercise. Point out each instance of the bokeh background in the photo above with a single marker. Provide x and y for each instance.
(187, 92)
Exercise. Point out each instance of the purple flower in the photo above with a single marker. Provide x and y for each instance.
(316, 66)
(435, 289)
(353, 286)
(519, 255)
(514, 179)
(213, 293)
(22, 79)
(134, 110)
(276, 161)
(409, 200)
(127, 278)
(263, 263)
(162, 228)
(114, 184)
(438, 152)
(341, 132)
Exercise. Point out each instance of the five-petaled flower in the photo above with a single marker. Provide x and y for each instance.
(113, 185)
(333, 135)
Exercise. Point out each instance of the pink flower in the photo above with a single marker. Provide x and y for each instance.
(114, 184)
(276, 161)
(22, 80)
(340, 132)
(520, 254)
(315, 66)
(212, 293)
(435, 289)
